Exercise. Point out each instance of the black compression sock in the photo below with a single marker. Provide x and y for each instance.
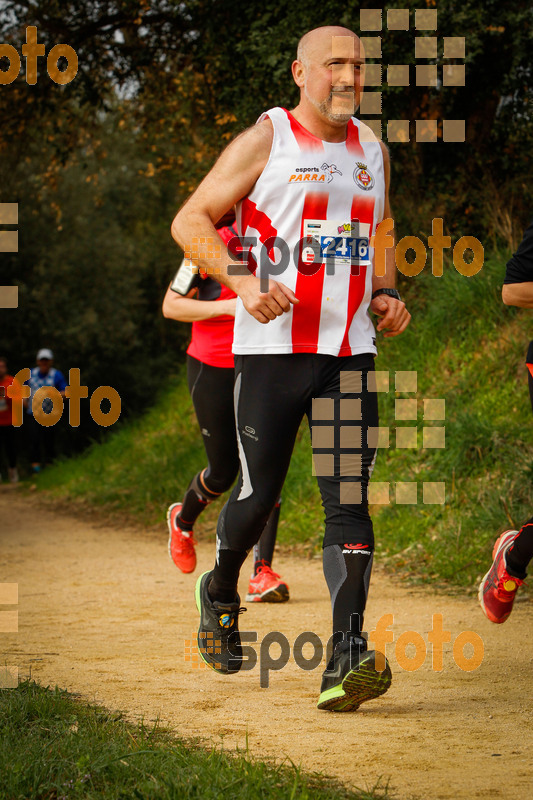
(196, 498)
(223, 585)
(520, 553)
(264, 549)
(347, 571)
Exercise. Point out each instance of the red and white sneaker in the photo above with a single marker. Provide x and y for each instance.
(267, 587)
(497, 590)
(180, 543)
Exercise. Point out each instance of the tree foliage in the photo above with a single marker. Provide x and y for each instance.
(99, 166)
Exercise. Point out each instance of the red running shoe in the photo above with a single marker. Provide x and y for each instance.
(497, 590)
(180, 543)
(267, 587)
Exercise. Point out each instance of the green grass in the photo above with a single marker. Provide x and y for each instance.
(54, 747)
(466, 347)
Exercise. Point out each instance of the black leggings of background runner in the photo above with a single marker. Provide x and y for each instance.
(520, 552)
(41, 440)
(8, 435)
(211, 390)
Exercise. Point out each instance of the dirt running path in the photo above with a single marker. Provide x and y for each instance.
(102, 611)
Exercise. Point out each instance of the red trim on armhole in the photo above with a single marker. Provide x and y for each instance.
(304, 139)
(353, 144)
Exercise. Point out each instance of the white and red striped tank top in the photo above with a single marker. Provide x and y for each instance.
(333, 192)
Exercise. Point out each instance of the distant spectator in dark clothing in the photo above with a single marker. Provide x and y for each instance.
(42, 437)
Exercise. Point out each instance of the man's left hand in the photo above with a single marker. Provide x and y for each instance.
(394, 316)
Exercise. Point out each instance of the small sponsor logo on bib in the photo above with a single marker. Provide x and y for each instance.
(363, 177)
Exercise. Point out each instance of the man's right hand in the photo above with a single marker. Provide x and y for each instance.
(265, 306)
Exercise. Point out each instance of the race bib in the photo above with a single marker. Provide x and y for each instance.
(340, 243)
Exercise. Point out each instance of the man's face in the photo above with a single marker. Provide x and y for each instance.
(44, 365)
(332, 83)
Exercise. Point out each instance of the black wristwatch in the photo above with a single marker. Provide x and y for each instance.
(390, 292)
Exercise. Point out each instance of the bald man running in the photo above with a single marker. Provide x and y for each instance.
(310, 187)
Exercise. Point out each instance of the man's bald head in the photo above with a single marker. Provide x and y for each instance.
(315, 40)
(329, 71)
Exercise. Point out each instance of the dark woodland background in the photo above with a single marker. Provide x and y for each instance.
(100, 166)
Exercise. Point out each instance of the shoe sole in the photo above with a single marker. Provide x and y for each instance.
(358, 686)
(169, 512)
(202, 645)
(278, 595)
(498, 545)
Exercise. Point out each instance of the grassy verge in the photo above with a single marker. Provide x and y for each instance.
(470, 350)
(466, 347)
(53, 747)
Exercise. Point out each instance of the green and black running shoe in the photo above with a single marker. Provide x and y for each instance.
(219, 641)
(352, 677)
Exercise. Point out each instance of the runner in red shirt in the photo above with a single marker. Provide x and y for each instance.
(7, 431)
(211, 309)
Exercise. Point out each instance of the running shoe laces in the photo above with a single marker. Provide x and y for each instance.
(267, 569)
(184, 541)
(228, 614)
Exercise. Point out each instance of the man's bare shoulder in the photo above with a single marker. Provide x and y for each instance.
(248, 153)
(257, 137)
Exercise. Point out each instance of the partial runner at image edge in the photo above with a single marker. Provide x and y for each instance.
(513, 550)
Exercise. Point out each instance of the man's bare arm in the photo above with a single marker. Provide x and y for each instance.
(394, 316)
(232, 178)
(389, 279)
(518, 294)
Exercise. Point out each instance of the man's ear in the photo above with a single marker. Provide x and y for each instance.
(298, 73)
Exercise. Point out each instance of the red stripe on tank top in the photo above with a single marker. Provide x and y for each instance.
(304, 139)
(253, 217)
(309, 284)
(362, 210)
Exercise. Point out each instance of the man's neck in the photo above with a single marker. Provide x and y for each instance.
(318, 126)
